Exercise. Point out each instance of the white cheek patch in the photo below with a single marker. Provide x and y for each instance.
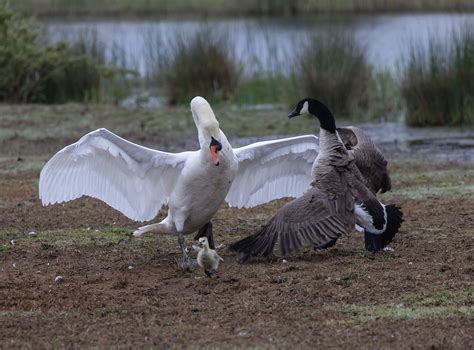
(304, 109)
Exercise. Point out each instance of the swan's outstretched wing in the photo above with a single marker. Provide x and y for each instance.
(368, 158)
(313, 219)
(272, 169)
(133, 179)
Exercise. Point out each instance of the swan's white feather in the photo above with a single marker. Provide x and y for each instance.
(272, 169)
(133, 179)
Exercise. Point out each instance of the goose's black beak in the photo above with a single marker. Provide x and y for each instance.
(293, 114)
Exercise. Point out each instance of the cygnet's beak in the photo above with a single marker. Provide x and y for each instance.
(215, 147)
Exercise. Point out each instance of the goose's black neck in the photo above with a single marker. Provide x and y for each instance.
(319, 110)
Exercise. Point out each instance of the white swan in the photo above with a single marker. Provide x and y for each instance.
(138, 181)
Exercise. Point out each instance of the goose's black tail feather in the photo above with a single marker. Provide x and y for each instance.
(258, 244)
(375, 242)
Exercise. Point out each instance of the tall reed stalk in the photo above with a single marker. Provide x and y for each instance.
(200, 64)
(438, 81)
(333, 67)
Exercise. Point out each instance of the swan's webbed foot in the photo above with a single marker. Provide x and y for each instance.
(188, 263)
(209, 273)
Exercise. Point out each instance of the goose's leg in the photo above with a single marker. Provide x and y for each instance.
(188, 262)
(206, 231)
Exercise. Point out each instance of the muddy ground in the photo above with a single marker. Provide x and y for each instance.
(129, 292)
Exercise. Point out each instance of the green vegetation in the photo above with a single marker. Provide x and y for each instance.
(32, 70)
(438, 84)
(201, 65)
(334, 67)
(148, 8)
(261, 89)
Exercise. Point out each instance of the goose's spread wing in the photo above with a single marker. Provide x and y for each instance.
(272, 169)
(133, 179)
(310, 220)
(368, 158)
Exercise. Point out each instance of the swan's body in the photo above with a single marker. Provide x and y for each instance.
(199, 191)
(138, 181)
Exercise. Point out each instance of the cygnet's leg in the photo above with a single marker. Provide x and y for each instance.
(188, 262)
(206, 231)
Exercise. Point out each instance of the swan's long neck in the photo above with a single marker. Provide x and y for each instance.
(205, 120)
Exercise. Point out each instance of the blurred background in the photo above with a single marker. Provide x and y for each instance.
(410, 62)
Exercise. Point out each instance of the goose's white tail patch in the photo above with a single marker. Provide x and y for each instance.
(366, 220)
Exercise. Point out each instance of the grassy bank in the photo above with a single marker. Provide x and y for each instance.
(147, 8)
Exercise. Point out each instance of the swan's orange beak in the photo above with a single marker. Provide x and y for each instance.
(215, 155)
(215, 147)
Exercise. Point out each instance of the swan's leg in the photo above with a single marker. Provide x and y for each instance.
(164, 226)
(179, 219)
(206, 231)
(188, 262)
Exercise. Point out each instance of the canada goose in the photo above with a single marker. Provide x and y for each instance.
(138, 181)
(340, 198)
(207, 258)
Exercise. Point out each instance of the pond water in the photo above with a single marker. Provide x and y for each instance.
(268, 44)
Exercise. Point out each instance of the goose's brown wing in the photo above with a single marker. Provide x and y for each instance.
(313, 219)
(368, 158)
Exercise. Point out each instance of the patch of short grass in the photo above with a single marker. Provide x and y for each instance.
(71, 121)
(434, 190)
(261, 89)
(443, 298)
(367, 313)
(18, 313)
(67, 238)
(20, 165)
